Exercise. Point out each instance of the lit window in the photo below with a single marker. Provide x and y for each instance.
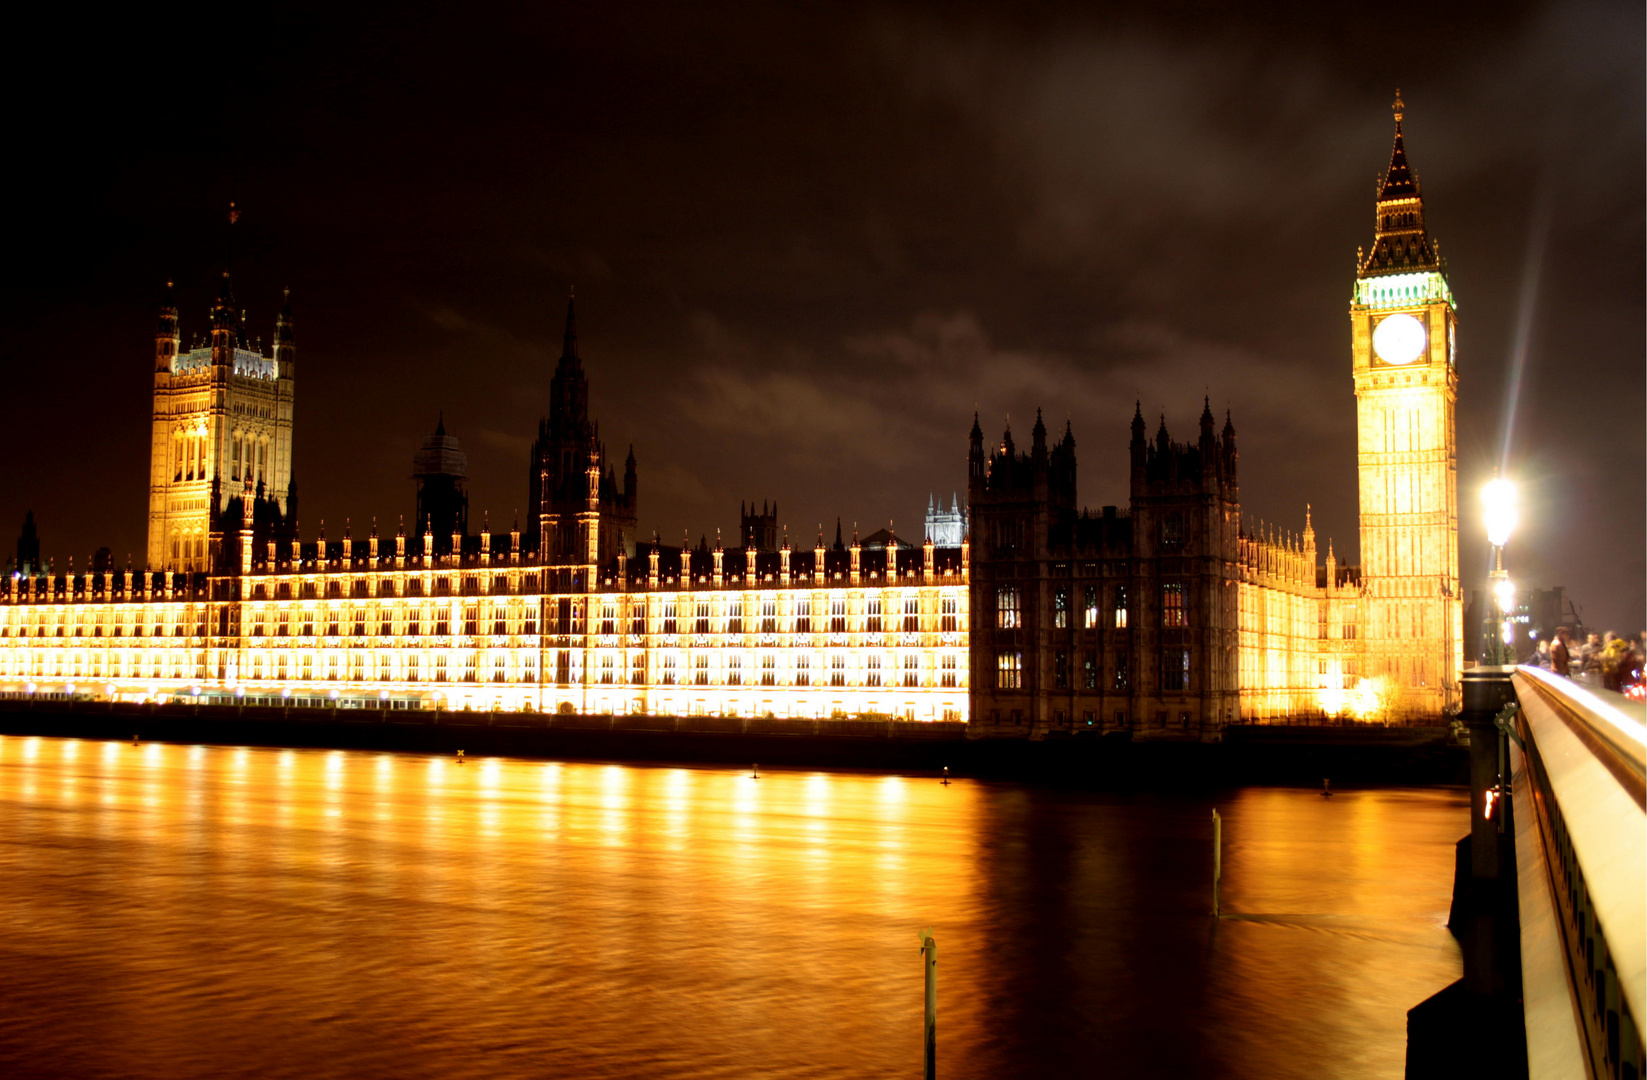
(608, 665)
(1089, 611)
(1006, 607)
(1009, 670)
(1060, 608)
(1120, 607)
(1172, 606)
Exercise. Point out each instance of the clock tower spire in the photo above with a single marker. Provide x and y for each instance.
(1403, 335)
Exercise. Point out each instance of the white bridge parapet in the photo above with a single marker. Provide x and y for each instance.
(1578, 772)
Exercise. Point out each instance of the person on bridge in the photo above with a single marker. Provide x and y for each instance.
(1560, 660)
(1540, 657)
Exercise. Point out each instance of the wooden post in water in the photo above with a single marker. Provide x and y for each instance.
(1217, 858)
(929, 949)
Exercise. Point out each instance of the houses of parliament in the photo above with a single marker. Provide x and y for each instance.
(1028, 617)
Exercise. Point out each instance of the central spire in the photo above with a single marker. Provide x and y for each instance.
(569, 345)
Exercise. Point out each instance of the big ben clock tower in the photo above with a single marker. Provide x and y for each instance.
(1403, 331)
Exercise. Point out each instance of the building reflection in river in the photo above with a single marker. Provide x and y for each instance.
(191, 911)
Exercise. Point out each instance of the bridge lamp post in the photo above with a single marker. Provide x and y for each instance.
(1498, 498)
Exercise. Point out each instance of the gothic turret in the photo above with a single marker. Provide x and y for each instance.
(574, 496)
(225, 325)
(167, 337)
(975, 454)
(285, 342)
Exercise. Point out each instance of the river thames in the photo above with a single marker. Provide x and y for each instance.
(187, 911)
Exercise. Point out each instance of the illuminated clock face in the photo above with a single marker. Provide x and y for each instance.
(1399, 339)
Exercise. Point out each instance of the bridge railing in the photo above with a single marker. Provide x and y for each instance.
(1578, 776)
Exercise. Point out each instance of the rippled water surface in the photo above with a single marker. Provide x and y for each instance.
(175, 911)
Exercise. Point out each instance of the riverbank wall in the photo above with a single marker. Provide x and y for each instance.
(1247, 754)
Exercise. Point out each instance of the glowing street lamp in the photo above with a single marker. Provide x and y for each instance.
(1498, 499)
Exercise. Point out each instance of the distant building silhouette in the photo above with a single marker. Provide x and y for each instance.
(441, 471)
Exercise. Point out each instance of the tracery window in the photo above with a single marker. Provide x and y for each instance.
(1007, 614)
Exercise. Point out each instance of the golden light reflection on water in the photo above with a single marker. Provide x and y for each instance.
(340, 914)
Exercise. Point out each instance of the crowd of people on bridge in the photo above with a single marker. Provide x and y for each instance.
(1615, 662)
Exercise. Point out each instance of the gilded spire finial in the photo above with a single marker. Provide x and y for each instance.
(1398, 107)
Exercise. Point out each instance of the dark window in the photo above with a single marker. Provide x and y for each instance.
(1060, 608)
(1122, 675)
(872, 622)
(1089, 670)
(1175, 665)
(803, 618)
(1172, 532)
(1060, 671)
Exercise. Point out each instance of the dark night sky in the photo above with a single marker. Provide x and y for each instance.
(808, 240)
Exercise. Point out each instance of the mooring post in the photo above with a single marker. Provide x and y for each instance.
(1217, 858)
(929, 950)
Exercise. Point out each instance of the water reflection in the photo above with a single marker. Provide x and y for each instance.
(340, 914)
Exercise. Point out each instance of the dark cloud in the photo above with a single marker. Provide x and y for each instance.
(809, 241)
